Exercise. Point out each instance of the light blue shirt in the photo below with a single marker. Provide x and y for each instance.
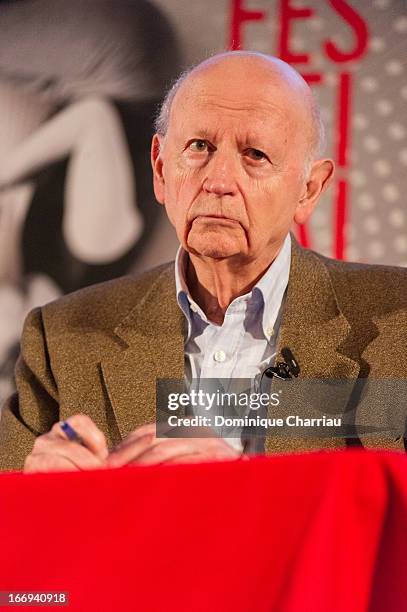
(246, 340)
(245, 344)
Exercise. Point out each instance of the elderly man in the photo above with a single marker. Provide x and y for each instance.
(236, 160)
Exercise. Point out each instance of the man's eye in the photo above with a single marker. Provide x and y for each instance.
(198, 146)
(255, 154)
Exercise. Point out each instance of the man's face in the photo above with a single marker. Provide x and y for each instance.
(230, 170)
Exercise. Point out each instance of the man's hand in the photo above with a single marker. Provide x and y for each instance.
(142, 447)
(53, 451)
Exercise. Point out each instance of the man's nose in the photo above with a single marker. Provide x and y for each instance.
(221, 175)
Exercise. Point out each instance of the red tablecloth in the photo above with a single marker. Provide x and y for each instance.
(322, 532)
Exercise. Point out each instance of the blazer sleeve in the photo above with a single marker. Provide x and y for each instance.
(34, 408)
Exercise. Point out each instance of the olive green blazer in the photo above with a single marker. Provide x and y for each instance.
(99, 350)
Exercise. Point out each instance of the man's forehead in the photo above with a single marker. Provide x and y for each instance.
(241, 88)
(205, 115)
(226, 101)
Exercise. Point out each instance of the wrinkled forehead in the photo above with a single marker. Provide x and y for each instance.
(240, 94)
(218, 118)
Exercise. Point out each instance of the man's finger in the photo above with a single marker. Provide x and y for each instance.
(55, 449)
(129, 450)
(40, 462)
(90, 435)
(196, 458)
(203, 449)
(148, 428)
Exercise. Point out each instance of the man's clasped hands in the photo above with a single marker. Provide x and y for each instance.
(54, 451)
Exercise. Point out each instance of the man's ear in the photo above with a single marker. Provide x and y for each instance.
(157, 165)
(318, 180)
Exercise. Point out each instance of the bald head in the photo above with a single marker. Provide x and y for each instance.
(248, 71)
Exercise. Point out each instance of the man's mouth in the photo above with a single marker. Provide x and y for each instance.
(217, 219)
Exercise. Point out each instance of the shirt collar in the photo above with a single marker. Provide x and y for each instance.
(267, 294)
(183, 296)
(272, 286)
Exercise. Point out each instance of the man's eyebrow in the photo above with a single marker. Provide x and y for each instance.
(202, 133)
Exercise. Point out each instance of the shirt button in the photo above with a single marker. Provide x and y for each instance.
(270, 331)
(194, 308)
(219, 356)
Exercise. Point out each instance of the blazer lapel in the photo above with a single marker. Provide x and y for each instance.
(319, 337)
(153, 334)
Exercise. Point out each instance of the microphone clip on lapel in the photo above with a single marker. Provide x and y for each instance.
(284, 370)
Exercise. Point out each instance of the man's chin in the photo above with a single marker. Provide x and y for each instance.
(216, 249)
(218, 244)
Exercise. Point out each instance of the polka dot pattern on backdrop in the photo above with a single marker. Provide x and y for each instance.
(378, 175)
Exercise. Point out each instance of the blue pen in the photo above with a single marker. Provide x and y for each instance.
(70, 433)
